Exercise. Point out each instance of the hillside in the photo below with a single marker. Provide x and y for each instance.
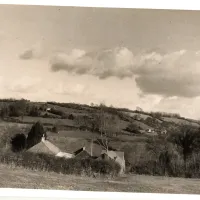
(74, 130)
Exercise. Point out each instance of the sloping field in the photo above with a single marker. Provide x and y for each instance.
(132, 114)
(52, 121)
(22, 178)
(180, 121)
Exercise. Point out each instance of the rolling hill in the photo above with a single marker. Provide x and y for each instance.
(72, 122)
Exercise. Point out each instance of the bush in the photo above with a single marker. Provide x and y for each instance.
(18, 142)
(44, 162)
(71, 117)
(132, 129)
(35, 135)
(54, 129)
(34, 111)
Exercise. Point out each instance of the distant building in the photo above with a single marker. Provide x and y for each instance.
(150, 130)
(48, 109)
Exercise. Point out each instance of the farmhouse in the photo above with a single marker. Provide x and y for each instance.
(47, 147)
(48, 109)
(117, 156)
(150, 130)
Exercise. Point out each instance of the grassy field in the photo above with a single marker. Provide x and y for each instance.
(22, 178)
(28, 119)
(180, 121)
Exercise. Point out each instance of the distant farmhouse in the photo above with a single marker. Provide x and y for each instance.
(95, 152)
(48, 109)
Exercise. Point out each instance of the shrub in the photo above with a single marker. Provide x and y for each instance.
(18, 142)
(71, 117)
(34, 111)
(132, 128)
(44, 162)
(55, 129)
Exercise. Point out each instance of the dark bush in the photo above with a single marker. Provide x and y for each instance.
(54, 129)
(88, 167)
(132, 129)
(18, 142)
(71, 117)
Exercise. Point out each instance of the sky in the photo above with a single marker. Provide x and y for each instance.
(122, 57)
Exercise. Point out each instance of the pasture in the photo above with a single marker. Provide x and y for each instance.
(23, 178)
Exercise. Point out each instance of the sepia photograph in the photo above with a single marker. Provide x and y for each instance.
(100, 99)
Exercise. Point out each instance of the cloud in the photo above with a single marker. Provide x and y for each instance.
(166, 74)
(184, 106)
(35, 52)
(174, 74)
(103, 64)
(28, 54)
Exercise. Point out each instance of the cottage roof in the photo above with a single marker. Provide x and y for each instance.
(45, 147)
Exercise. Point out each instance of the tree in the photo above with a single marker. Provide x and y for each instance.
(4, 111)
(18, 108)
(187, 140)
(34, 111)
(6, 136)
(83, 122)
(133, 128)
(71, 117)
(162, 151)
(108, 126)
(35, 135)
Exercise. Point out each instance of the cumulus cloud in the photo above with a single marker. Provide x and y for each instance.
(103, 64)
(167, 74)
(174, 74)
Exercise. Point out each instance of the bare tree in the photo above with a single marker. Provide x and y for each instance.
(108, 126)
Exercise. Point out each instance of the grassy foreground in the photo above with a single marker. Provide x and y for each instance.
(23, 178)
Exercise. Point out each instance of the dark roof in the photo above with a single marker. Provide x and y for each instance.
(83, 154)
(96, 150)
(78, 151)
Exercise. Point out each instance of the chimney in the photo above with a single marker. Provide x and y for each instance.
(43, 137)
